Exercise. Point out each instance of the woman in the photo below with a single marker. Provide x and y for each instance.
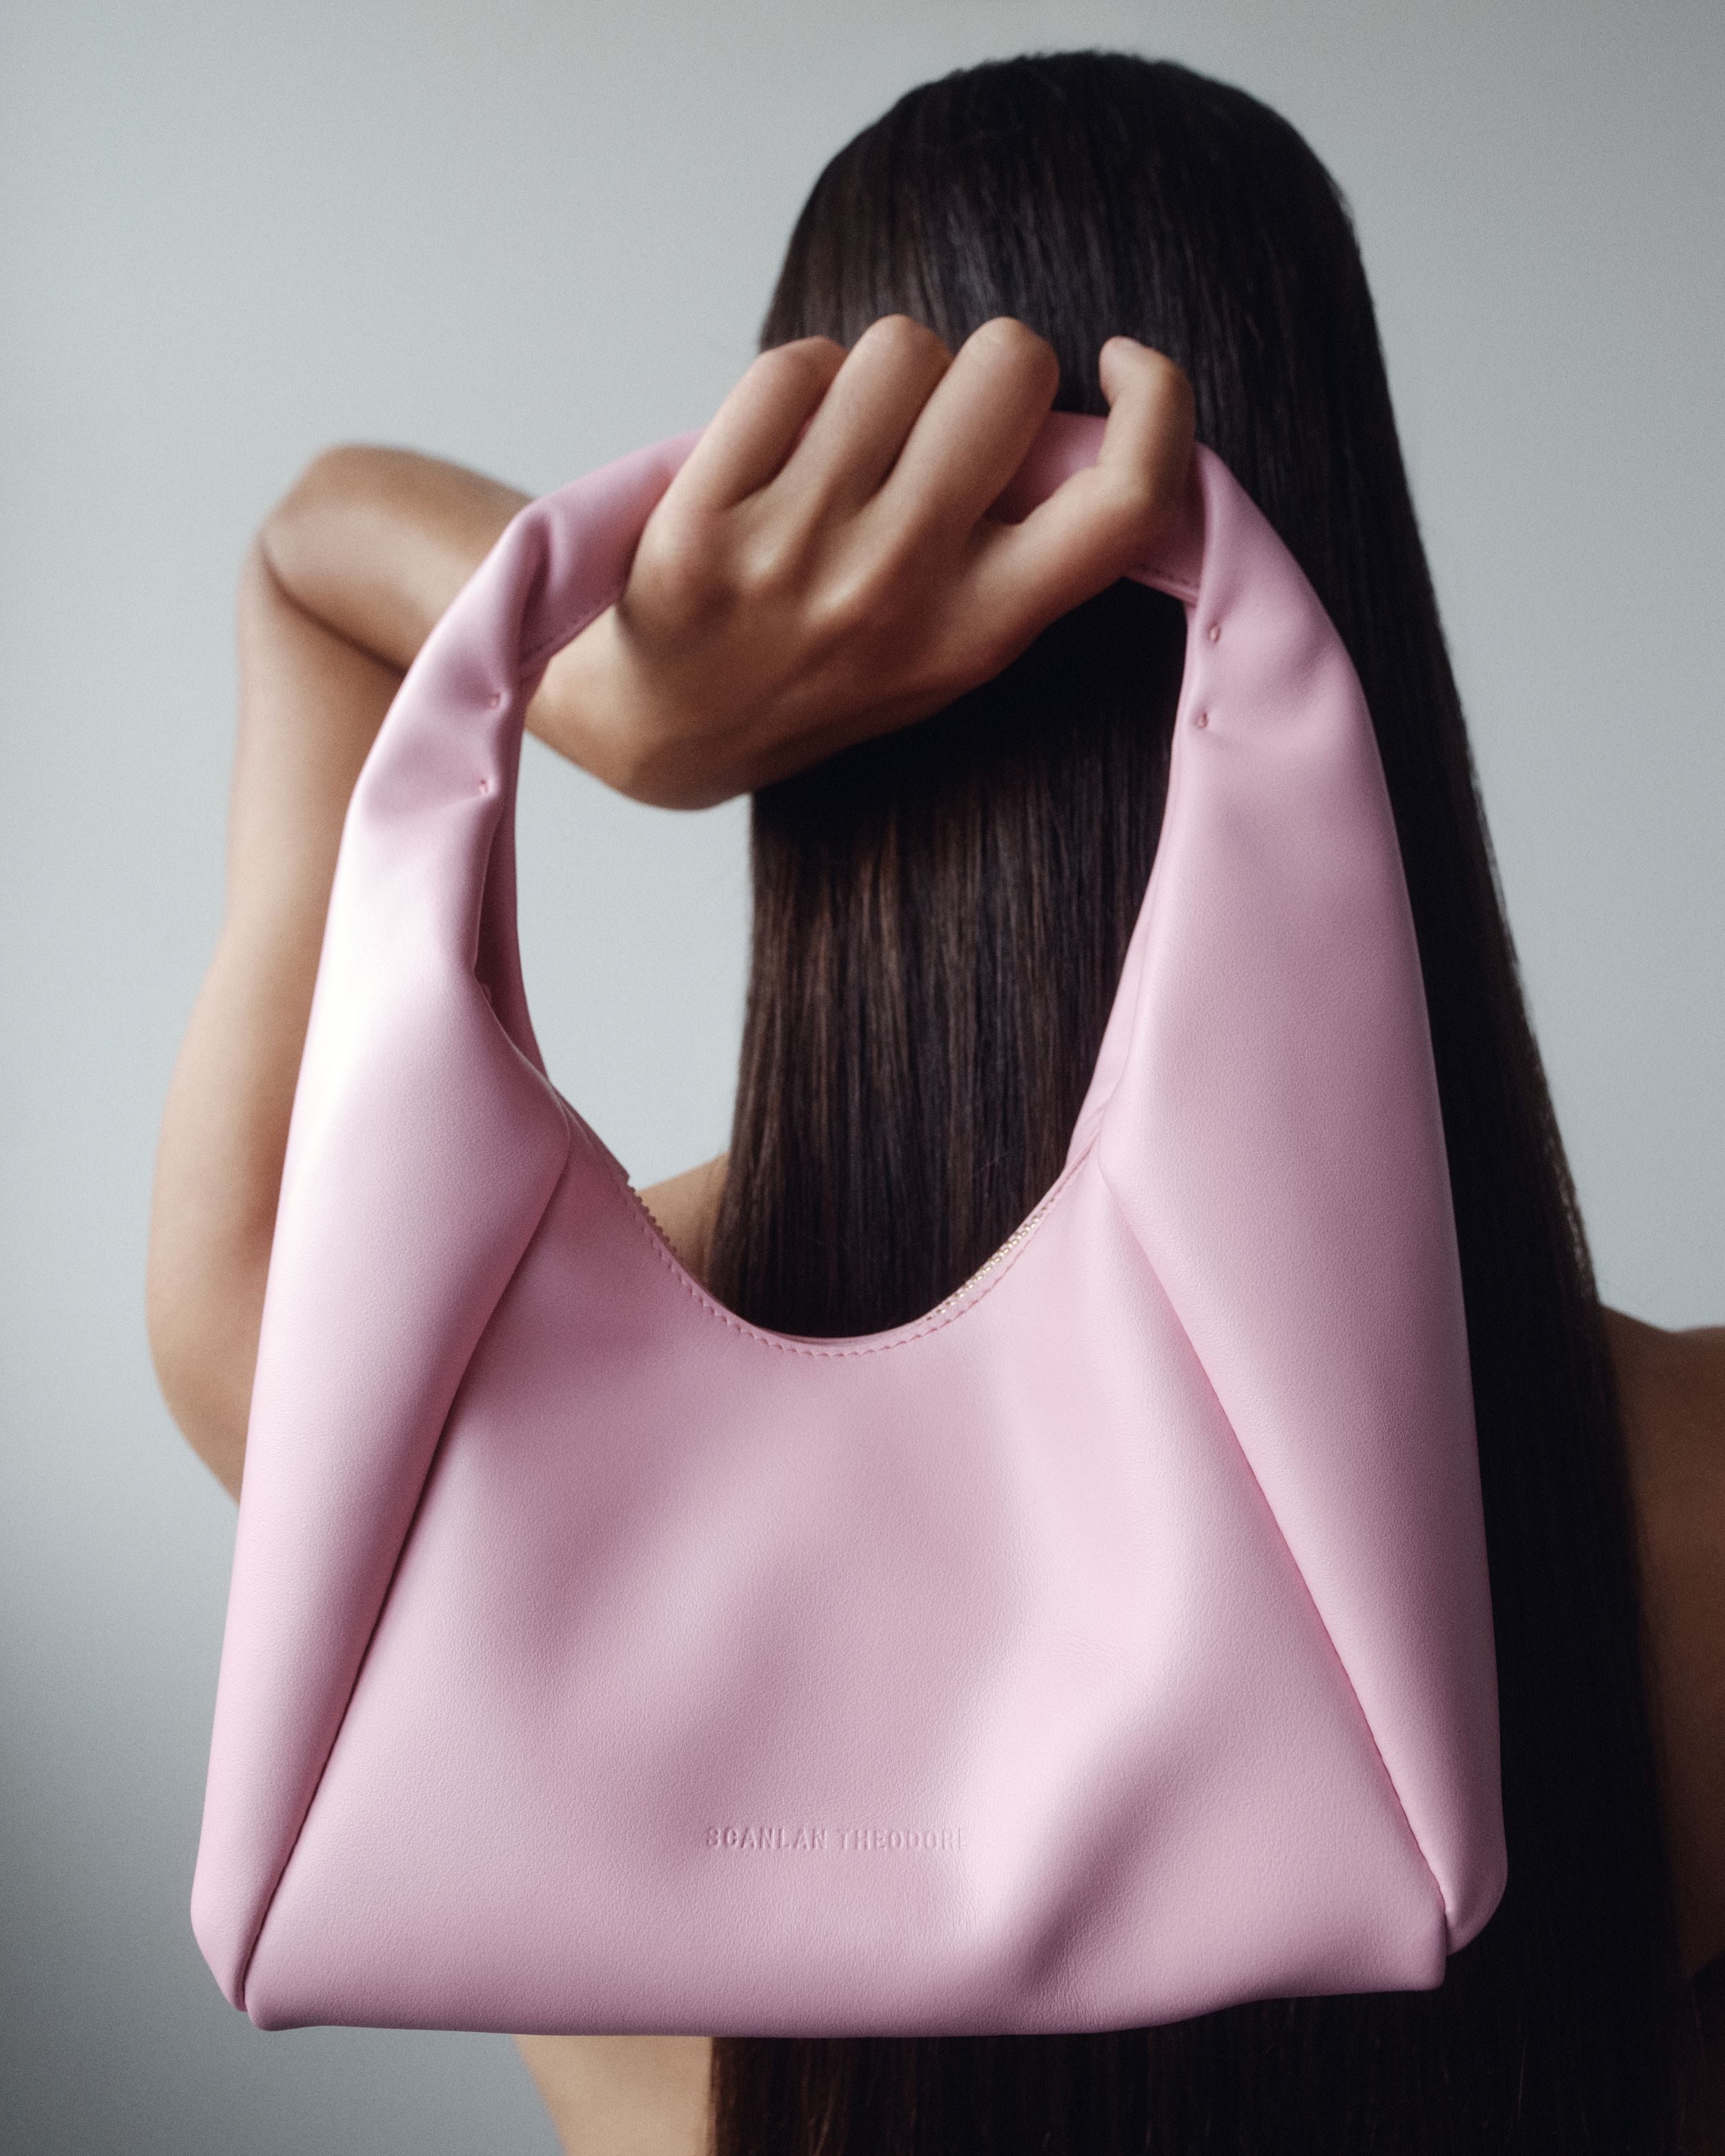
(968, 884)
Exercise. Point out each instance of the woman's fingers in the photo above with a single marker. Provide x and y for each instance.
(749, 438)
(973, 432)
(1104, 521)
(871, 406)
(827, 569)
(1150, 421)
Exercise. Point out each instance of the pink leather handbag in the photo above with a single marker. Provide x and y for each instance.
(1110, 1644)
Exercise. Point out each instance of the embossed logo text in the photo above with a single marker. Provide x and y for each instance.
(838, 1840)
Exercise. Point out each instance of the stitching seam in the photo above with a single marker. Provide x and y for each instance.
(786, 1344)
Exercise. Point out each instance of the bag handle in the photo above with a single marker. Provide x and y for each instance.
(452, 739)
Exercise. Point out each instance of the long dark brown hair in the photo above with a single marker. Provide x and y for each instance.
(940, 921)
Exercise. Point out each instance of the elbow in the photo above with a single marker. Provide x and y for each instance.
(294, 537)
(342, 546)
(335, 476)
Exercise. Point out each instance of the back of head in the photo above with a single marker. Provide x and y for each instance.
(940, 917)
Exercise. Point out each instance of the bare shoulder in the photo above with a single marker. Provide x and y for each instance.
(1672, 1386)
(685, 1207)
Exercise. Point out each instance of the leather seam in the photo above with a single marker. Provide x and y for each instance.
(921, 1328)
(257, 1937)
(1299, 1569)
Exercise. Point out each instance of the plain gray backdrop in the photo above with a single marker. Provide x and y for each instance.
(530, 237)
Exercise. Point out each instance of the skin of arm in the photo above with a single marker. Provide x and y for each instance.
(309, 705)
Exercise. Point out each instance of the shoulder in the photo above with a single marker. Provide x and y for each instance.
(1685, 1370)
(1672, 1388)
(686, 1206)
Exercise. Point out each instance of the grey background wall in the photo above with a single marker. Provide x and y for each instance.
(531, 236)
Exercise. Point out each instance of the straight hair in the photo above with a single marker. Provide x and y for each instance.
(940, 920)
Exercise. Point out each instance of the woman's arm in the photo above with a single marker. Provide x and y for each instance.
(374, 543)
(336, 596)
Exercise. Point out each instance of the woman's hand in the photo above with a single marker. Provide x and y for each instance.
(824, 567)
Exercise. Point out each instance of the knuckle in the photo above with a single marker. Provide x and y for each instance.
(877, 605)
(770, 564)
(681, 570)
(865, 607)
(849, 610)
(892, 580)
(1136, 511)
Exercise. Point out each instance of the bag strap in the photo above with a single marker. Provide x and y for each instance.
(452, 741)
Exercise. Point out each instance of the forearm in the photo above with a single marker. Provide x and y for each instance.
(374, 543)
(309, 706)
(346, 577)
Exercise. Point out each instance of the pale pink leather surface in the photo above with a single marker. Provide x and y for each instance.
(1110, 1644)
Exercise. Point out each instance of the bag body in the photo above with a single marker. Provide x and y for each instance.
(1110, 1644)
